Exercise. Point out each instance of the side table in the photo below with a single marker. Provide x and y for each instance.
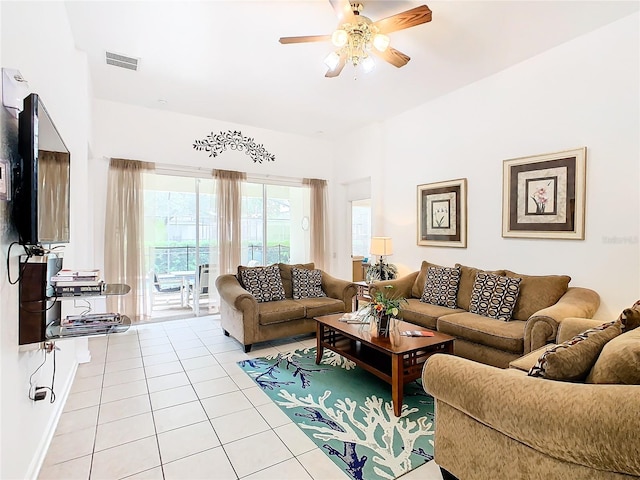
(362, 294)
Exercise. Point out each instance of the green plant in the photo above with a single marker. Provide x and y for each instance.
(383, 304)
(389, 271)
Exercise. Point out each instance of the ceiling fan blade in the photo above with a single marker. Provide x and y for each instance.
(336, 71)
(305, 39)
(407, 19)
(393, 56)
(343, 10)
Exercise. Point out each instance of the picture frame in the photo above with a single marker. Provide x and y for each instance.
(442, 214)
(543, 196)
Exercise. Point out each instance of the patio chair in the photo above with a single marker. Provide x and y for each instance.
(167, 289)
(203, 281)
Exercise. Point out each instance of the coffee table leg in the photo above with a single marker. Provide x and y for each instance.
(319, 347)
(397, 383)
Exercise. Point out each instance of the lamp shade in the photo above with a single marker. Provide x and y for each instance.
(381, 246)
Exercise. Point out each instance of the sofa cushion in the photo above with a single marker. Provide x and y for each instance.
(286, 274)
(467, 279)
(494, 296)
(264, 283)
(441, 286)
(507, 336)
(572, 360)
(306, 283)
(279, 311)
(619, 361)
(424, 314)
(538, 292)
(418, 284)
(316, 307)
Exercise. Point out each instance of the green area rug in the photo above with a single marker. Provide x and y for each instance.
(348, 412)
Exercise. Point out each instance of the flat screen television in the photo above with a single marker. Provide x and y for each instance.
(41, 182)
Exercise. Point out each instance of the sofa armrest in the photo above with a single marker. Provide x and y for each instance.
(234, 294)
(401, 286)
(339, 289)
(570, 327)
(590, 425)
(542, 327)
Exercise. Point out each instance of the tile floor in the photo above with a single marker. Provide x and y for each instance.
(167, 401)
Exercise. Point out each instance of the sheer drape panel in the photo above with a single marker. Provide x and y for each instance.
(229, 201)
(124, 235)
(53, 196)
(318, 228)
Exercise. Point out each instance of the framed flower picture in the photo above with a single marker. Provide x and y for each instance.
(442, 214)
(543, 196)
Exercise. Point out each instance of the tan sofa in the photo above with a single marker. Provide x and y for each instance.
(250, 321)
(543, 302)
(494, 423)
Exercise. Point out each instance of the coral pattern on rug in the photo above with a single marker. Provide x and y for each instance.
(348, 412)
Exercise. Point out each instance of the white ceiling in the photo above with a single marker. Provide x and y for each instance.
(222, 59)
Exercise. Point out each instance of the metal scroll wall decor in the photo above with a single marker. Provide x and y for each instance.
(217, 143)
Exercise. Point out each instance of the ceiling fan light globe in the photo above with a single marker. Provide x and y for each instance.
(381, 42)
(332, 60)
(368, 64)
(339, 38)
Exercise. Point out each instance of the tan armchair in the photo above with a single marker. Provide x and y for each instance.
(250, 321)
(494, 423)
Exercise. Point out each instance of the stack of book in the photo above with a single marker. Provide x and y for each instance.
(74, 325)
(68, 283)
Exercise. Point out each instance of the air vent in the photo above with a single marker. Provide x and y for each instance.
(122, 61)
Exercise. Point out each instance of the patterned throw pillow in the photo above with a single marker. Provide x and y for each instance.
(494, 296)
(264, 283)
(306, 283)
(573, 359)
(441, 286)
(630, 317)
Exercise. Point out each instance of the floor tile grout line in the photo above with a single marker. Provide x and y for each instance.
(209, 419)
(153, 418)
(95, 436)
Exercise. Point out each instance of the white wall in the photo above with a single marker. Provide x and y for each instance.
(36, 39)
(582, 93)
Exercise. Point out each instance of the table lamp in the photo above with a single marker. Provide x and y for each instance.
(381, 246)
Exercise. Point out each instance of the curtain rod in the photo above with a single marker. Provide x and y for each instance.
(251, 177)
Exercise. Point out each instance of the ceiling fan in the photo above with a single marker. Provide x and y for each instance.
(357, 36)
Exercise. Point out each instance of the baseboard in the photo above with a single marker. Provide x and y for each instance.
(50, 430)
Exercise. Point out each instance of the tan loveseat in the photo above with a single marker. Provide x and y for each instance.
(494, 423)
(543, 302)
(250, 321)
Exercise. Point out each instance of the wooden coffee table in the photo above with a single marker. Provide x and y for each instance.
(395, 359)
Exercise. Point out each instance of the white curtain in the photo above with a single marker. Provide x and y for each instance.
(229, 202)
(318, 228)
(124, 236)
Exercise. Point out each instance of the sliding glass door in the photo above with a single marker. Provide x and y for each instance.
(275, 224)
(180, 235)
(181, 232)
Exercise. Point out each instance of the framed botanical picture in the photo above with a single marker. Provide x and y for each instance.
(543, 196)
(442, 214)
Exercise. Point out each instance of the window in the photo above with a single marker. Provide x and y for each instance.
(279, 214)
(360, 227)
